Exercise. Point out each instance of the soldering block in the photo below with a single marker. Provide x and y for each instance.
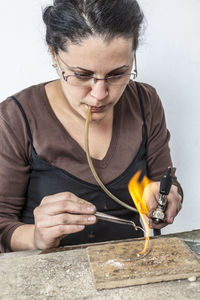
(117, 264)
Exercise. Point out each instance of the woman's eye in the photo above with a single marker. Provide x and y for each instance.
(117, 74)
(82, 76)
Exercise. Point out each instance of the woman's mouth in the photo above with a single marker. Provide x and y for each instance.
(97, 108)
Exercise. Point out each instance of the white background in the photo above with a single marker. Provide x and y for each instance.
(168, 58)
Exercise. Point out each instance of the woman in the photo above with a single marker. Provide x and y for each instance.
(48, 193)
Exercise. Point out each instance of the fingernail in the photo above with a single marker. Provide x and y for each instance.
(171, 220)
(81, 227)
(92, 219)
(90, 208)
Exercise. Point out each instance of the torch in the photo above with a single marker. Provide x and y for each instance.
(158, 216)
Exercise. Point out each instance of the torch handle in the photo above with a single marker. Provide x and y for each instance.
(166, 182)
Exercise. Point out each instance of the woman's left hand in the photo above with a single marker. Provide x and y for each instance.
(151, 195)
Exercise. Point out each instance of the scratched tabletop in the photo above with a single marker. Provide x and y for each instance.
(65, 274)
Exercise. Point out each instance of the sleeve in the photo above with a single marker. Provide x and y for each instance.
(14, 176)
(158, 152)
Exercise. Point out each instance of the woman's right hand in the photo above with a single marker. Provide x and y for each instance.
(59, 215)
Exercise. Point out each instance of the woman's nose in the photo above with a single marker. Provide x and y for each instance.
(99, 89)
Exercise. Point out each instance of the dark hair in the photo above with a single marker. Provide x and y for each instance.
(74, 20)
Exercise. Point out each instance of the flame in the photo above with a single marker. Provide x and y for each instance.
(136, 189)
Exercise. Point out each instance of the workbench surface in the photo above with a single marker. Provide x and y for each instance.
(66, 275)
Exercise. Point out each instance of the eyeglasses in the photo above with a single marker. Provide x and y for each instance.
(83, 80)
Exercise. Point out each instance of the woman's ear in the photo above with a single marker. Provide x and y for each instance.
(53, 56)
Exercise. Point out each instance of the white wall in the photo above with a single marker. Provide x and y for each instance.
(168, 58)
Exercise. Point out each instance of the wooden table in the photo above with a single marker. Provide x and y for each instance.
(66, 275)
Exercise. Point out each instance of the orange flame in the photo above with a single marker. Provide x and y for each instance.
(136, 189)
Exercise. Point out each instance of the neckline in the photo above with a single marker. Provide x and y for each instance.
(79, 150)
(116, 180)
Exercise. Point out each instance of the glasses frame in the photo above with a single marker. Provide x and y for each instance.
(65, 77)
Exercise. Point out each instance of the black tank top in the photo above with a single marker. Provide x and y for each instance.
(46, 179)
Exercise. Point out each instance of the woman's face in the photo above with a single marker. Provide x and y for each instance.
(98, 58)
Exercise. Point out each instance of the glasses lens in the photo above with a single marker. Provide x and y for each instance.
(76, 81)
(121, 79)
(118, 79)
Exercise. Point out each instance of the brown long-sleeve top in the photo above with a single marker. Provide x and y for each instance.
(53, 144)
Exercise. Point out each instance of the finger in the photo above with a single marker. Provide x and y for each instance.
(49, 237)
(62, 206)
(64, 196)
(159, 226)
(60, 230)
(151, 196)
(66, 219)
(173, 207)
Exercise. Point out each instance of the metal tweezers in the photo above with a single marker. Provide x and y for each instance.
(113, 219)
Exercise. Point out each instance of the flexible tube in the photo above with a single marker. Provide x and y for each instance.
(93, 169)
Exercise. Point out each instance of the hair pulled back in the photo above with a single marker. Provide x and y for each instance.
(74, 20)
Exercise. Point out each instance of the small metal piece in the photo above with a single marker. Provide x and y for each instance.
(113, 219)
(158, 216)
